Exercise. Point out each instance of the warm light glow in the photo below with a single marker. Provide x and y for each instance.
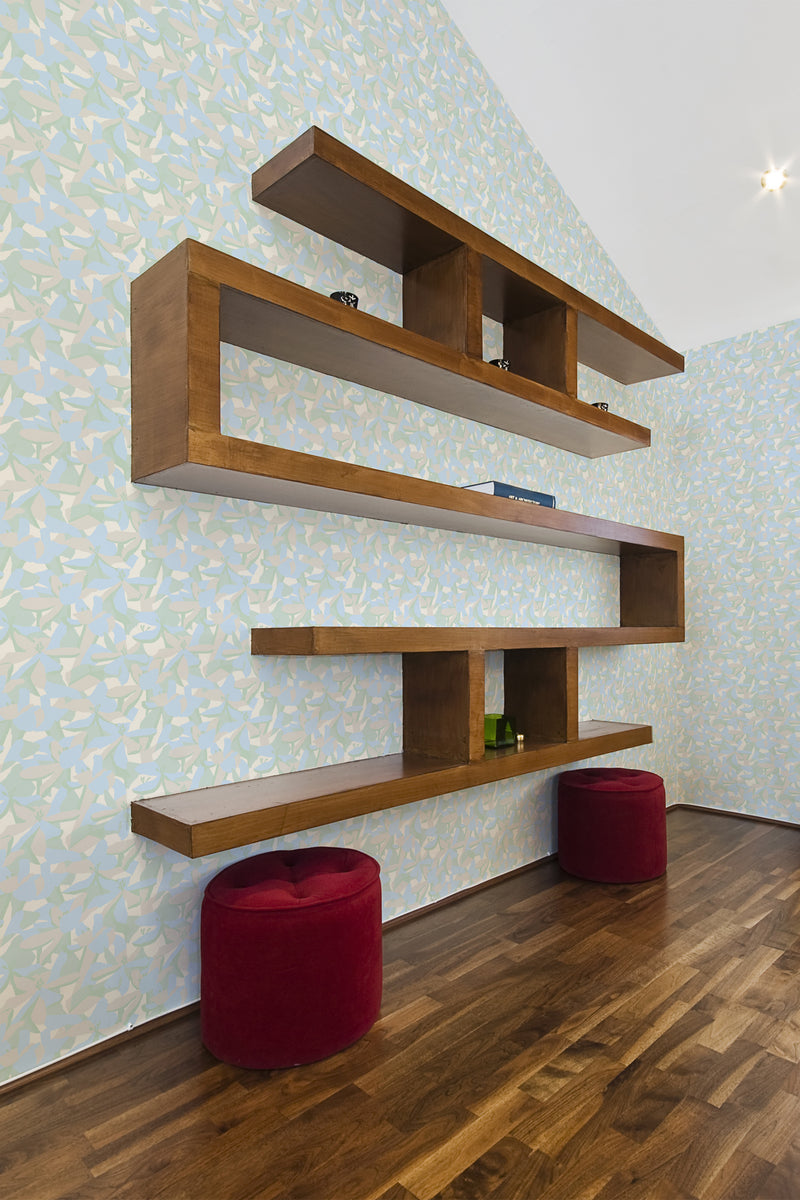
(774, 179)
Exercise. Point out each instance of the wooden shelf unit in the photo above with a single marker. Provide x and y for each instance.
(178, 308)
(453, 272)
(443, 749)
(444, 678)
(196, 297)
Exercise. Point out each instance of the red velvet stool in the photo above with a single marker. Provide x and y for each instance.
(291, 957)
(612, 824)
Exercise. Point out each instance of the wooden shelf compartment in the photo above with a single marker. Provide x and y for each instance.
(196, 297)
(452, 271)
(210, 820)
(443, 749)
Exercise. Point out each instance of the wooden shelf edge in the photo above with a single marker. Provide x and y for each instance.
(235, 467)
(220, 818)
(314, 640)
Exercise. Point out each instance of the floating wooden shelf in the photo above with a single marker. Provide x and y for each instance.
(328, 187)
(176, 423)
(443, 749)
(213, 819)
(453, 274)
(359, 639)
(196, 297)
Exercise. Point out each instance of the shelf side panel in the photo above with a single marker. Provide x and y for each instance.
(160, 365)
(442, 698)
(175, 360)
(543, 346)
(541, 691)
(651, 587)
(205, 398)
(442, 301)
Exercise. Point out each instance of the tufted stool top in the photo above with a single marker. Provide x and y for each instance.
(612, 779)
(293, 879)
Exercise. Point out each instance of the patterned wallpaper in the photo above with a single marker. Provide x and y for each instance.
(126, 610)
(736, 497)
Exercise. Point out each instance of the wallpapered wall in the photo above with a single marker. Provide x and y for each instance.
(126, 610)
(735, 497)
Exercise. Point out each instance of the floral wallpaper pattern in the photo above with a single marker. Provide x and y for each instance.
(125, 610)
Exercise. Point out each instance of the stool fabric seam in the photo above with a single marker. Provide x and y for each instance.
(284, 908)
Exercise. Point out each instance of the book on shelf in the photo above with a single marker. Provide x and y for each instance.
(510, 490)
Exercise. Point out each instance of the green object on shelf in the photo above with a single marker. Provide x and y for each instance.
(499, 730)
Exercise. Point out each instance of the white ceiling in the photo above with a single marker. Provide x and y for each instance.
(658, 120)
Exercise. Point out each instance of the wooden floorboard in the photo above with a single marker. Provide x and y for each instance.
(544, 1037)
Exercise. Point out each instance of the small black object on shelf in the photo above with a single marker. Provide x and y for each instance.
(348, 298)
(601, 404)
(503, 363)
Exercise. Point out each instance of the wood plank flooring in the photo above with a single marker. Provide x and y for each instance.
(543, 1038)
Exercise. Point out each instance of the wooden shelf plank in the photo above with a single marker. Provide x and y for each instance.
(253, 471)
(312, 640)
(214, 819)
(330, 188)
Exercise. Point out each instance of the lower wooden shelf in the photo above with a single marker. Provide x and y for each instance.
(213, 819)
(312, 640)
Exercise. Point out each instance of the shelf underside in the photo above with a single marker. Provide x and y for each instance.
(234, 467)
(220, 818)
(310, 640)
(363, 349)
(330, 188)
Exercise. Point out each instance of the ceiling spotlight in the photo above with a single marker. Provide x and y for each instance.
(774, 179)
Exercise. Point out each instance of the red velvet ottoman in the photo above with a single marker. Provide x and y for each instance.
(291, 957)
(612, 824)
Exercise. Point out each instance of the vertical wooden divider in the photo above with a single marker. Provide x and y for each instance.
(204, 354)
(651, 587)
(544, 346)
(443, 703)
(175, 356)
(541, 692)
(442, 299)
(159, 365)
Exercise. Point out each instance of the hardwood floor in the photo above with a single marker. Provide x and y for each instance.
(545, 1037)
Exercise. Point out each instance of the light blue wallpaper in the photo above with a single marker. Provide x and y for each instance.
(737, 497)
(126, 610)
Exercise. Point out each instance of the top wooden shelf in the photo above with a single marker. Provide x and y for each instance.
(330, 188)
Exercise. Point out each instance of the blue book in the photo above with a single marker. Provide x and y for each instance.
(495, 488)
